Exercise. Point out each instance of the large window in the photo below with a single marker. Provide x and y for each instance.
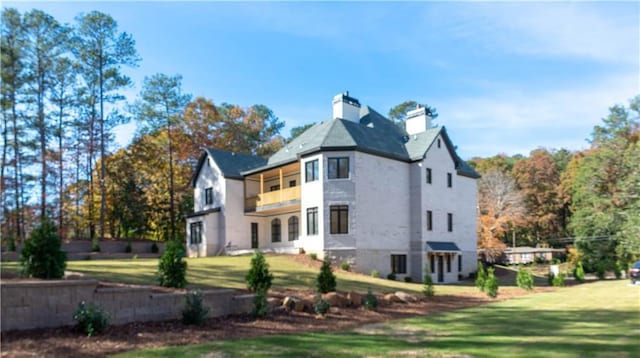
(195, 236)
(312, 221)
(429, 220)
(208, 196)
(338, 168)
(339, 219)
(428, 175)
(449, 180)
(311, 170)
(293, 228)
(449, 222)
(399, 264)
(276, 230)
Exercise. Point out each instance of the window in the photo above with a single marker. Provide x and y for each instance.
(293, 228)
(429, 220)
(432, 263)
(448, 263)
(339, 219)
(196, 233)
(338, 168)
(292, 183)
(208, 196)
(449, 222)
(449, 180)
(459, 263)
(312, 221)
(311, 170)
(438, 142)
(428, 175)
(275, 230)
(275, 187)
(399, 264)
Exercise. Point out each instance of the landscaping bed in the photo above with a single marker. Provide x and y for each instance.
(65, 342)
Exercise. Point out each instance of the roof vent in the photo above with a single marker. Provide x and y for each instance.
(405, 138)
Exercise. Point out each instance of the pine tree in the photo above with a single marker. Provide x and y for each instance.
(326, 281)
(259, 279)
(42, 255)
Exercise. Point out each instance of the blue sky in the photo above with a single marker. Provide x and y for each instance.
(505, 77)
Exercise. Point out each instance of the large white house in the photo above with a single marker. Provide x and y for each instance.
(354, 188)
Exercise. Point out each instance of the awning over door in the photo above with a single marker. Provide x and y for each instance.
(442, 246)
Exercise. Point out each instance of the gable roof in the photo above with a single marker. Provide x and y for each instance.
(231, 164)
(374, 134)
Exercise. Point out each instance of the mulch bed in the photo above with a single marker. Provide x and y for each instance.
(65, 342)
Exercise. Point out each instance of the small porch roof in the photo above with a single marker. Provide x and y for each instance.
(442, 246)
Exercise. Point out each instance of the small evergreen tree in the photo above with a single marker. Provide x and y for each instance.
(482, 276)
(491, 284)
(524, 279)
(427, 287)
(172, 268)
(326, 281)
(259, 278)
(42, 255)
(578, 273)
(194, 311)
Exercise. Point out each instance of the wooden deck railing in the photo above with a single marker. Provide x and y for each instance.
(273, 197)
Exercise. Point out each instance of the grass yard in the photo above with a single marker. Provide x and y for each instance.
(229, 272)
(600, 319)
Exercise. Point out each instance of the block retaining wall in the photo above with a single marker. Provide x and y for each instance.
(45, 304)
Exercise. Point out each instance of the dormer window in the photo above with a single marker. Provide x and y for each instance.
(438, 142)
(208, 196)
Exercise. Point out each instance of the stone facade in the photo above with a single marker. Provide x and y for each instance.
(43, 304)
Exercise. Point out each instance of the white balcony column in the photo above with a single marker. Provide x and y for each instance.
(281, 183)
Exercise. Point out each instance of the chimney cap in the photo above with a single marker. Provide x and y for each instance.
(344, 97)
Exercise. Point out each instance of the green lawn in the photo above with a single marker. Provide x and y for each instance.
(600, 319)
(229, 272)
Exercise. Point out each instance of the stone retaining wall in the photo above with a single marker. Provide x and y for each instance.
(109, 249)
(42, 304)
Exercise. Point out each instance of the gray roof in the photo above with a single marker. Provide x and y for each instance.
(442, 246)
(374, 134)
(231, 164)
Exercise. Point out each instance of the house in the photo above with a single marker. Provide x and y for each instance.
(354, 188)
(527, 255)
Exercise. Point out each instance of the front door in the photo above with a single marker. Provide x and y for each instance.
(440, 268)
(254, 235)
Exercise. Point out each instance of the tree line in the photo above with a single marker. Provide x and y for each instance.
(61, 97)
(591, 197)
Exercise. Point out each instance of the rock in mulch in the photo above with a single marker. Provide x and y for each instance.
(355, 299)
(336, 299)
(406, 297)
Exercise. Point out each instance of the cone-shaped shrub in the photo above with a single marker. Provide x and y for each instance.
(172, 267)
(42, 256)
(524, 279)
(259, 278)
(491, 284)
(427, 286)
(326, 281)
(482, 276)
(579, 272)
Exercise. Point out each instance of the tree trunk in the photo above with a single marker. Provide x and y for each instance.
(103, 198)
(172, 213)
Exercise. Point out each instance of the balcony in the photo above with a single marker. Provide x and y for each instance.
(284, 193)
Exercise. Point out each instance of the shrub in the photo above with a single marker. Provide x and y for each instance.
(42, 256)
(172, 267)
(375, 274)
(321, 306)
(326, 281)
(259, 279)
(427, 286)
(408, 279)
(391, 276)
(558, 280)
(524, 279)
(128, 248)
(578, 272)
(194, 311)
(601, 269)
(491, 284)
(95, 246)
(154, 248)
(91, 319)
(370, 301)
(260, 304)
(482, 276)
(345, 266)
(313, 256)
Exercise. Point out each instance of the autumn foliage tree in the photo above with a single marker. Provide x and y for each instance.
(501, 207)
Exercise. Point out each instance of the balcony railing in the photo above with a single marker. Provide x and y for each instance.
(273, 197)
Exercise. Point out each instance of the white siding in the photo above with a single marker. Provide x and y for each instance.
(209, 177)
(312, 196)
